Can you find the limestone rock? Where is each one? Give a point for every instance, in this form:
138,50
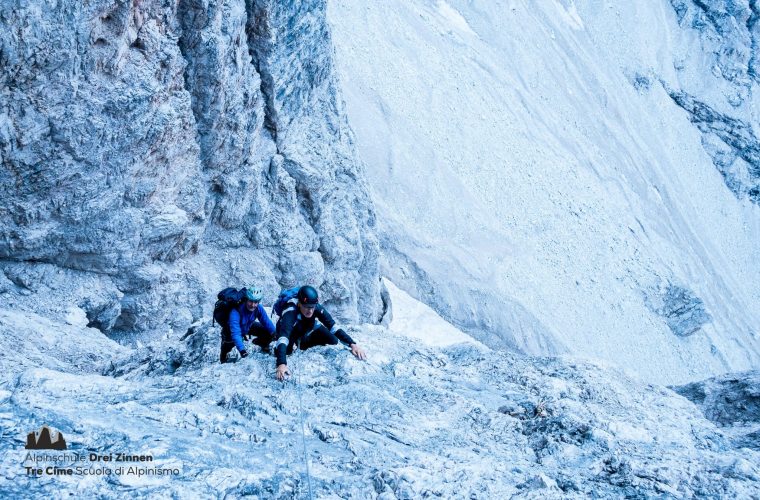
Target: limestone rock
174,148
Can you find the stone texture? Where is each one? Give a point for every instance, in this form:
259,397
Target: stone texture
174,148
412,422
683,311
293,50
728,399
725,113
732,401
99,143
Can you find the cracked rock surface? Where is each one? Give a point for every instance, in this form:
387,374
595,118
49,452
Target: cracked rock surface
174,148
731,401
413,421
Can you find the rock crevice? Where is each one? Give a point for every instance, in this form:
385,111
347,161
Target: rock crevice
731,143
140,140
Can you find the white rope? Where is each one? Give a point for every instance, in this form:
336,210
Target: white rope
300,412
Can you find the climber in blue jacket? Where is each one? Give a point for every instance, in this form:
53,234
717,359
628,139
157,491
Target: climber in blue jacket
249,319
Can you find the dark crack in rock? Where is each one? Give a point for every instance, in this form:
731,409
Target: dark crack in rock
732,144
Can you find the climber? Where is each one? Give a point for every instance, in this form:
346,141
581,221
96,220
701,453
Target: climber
249,319
306,323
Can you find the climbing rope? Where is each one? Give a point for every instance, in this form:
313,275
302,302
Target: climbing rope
296,368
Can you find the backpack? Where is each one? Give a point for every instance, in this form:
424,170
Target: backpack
227,300
283,300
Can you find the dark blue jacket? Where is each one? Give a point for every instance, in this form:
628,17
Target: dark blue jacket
241,320
293,326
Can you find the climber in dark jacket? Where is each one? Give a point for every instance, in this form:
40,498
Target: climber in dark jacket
307,324
249,319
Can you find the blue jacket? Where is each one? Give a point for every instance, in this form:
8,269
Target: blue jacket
241,320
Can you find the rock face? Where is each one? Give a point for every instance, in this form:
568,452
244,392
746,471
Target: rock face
171,149
98,140
414,421
544,172
684,312
732,402
728,35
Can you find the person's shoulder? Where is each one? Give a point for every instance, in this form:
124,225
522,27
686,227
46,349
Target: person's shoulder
322,309
290,312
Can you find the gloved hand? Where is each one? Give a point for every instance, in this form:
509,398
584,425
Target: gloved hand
243,353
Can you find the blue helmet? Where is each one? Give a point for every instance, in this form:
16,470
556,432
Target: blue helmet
254,294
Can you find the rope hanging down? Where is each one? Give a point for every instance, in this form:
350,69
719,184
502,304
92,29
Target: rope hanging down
303,432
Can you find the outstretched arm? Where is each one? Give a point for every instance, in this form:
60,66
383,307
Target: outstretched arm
327,320
346,339
341,335
281,347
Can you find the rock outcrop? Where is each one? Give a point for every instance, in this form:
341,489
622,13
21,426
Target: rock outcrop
684,313
412,422
173,148
728,35
731,401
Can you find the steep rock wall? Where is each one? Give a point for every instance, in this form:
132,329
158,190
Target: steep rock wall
172,148
544,176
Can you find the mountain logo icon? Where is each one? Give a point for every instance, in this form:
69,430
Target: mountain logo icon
43,440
